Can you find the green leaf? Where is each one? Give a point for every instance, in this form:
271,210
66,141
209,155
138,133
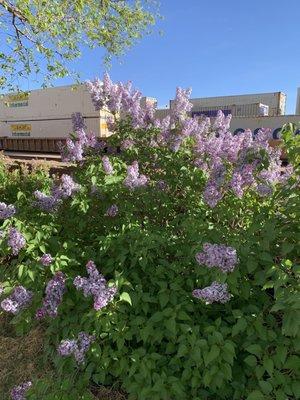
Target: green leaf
126,297
254,349
212,355
265,386
268,365
250,360
256,395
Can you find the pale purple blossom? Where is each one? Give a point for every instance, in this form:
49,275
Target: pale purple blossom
215,293
112,211
134,179
264,190
19,299
15,241
78,122
7,210
53,296
107,167
127,144
19,392
48,203
46,259
78,347
95,285
67,187
219,256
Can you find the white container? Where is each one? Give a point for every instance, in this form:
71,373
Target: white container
47,113
276,101
274,123
298,102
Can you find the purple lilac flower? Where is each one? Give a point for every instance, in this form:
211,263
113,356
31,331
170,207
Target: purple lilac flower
218,255
120,97
95,285
48,203
161,185
78,122
181,104
16,241
127,144
216,292
54,294
212,194
20,298
264,190
108,168
112,211
77,347
19,392
7,210
46,260
67,188
134,179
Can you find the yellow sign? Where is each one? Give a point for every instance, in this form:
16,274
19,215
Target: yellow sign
17,97
20,127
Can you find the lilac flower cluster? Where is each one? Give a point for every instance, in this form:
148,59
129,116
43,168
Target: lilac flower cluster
47,203
134,179
7,210
78,122
239,156
112,211
220,256
15,241
67,187
18,300
77,347
216,292
107,167
95,285
74,149
19,392
46,260
54,293
127,144
50,203
119,98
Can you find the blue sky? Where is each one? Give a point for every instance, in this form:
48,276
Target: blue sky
216,47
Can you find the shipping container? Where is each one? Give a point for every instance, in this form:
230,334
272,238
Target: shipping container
47,112
298,102
243,110
276,101
274,123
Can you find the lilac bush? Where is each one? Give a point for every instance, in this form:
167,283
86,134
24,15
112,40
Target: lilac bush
223,326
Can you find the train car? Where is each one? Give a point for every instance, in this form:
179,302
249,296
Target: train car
46,113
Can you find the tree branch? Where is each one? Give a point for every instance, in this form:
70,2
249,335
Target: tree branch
13,10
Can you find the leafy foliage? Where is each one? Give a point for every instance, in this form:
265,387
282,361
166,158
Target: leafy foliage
154,339
50,34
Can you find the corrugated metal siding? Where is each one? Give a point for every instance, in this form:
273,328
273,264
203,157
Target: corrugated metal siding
48,128
275,101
